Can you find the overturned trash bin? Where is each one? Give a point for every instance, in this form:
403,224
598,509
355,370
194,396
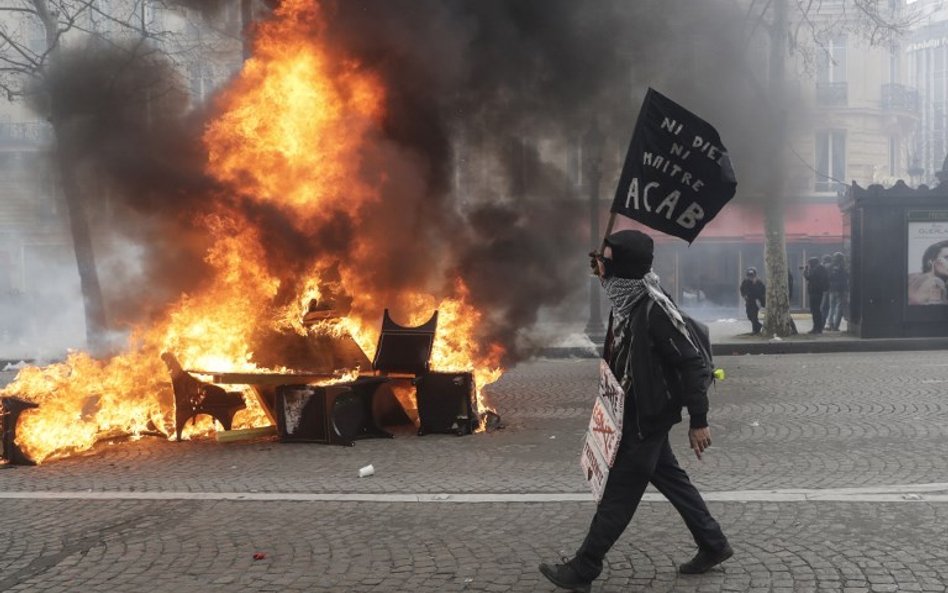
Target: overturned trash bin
10,410
336,414
446,402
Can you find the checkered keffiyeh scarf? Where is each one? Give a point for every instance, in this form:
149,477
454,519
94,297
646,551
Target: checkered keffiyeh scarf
624,293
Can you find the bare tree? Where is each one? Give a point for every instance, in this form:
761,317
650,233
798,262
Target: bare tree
800,29
38,39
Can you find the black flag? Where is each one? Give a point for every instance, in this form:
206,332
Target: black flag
677,175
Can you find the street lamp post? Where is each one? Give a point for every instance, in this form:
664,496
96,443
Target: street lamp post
592,165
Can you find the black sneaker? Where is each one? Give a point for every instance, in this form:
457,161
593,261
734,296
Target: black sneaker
565,576
704,561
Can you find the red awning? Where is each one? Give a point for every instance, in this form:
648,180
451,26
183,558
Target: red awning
821,223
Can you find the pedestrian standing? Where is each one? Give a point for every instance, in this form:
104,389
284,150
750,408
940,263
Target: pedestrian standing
817,284
646,332
755,296
838,289
826,262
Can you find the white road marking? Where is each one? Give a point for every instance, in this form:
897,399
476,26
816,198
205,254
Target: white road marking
930,493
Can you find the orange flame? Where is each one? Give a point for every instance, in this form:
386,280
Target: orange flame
290,133
296,120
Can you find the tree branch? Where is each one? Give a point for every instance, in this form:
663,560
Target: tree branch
52,40
16,46
882,29
49,23
121,23
805,12
13,63
758,23
14,9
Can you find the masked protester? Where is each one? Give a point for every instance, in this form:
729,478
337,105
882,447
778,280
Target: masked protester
838,289
817,285
755,297
827,263
647,333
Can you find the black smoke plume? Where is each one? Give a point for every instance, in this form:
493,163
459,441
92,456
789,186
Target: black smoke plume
472,80
487,105
136,151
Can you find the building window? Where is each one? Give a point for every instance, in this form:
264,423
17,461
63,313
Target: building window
202,82
832,65
831,88
830,160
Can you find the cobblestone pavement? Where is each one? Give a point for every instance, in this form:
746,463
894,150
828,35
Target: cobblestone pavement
871,421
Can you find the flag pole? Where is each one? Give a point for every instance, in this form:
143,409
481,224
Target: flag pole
609,225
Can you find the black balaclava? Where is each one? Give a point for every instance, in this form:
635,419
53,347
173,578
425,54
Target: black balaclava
632,253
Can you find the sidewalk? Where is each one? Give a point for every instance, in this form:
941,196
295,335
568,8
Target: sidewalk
730,335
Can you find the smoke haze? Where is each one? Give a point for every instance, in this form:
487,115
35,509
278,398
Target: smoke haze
487,105
500,78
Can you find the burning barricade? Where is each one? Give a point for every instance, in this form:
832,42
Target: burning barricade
298,241
337,407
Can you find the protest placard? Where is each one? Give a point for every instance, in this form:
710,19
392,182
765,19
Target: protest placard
604,432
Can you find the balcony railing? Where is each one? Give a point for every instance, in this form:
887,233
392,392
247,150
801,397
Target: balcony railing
898,97
832,94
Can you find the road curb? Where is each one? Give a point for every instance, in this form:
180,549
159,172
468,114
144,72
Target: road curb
788,346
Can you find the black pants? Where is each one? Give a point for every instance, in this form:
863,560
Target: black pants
752,311
638,463
816,310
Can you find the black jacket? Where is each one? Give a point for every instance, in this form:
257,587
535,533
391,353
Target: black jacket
660,370
817,278
754,292
838,279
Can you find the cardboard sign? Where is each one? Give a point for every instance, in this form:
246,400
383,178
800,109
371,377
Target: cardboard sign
605,431
611,392
594,468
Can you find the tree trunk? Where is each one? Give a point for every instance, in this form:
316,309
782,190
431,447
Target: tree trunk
93,302
67,158
778,320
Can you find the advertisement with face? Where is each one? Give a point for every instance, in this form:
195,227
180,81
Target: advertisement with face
928,263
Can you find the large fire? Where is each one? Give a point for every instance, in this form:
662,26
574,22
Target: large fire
289,134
